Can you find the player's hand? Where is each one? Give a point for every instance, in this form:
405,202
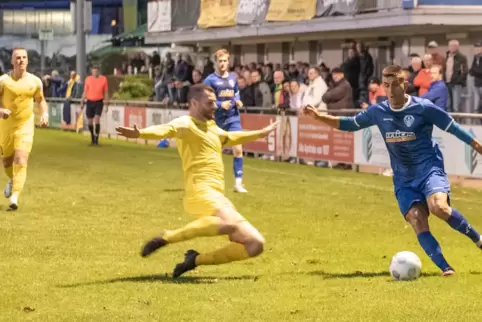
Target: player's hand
128,132
239,104
364,105
44,120
226,105
311,112
4,113
270,128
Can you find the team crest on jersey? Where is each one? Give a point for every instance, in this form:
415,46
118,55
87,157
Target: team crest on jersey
408,120
231,83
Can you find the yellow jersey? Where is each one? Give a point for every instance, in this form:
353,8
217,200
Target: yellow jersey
200,145
18,96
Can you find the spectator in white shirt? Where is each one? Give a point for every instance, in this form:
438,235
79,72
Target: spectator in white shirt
296,96
315,91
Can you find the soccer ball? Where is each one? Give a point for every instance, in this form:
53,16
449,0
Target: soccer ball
405,266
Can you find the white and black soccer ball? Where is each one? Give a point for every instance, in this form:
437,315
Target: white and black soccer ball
405,266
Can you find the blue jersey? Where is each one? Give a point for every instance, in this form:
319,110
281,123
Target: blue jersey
408,136
226,89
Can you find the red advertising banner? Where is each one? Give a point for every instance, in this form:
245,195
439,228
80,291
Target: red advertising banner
318,141
257,122
135,115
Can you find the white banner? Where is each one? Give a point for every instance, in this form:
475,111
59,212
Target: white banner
159,15
459,158
114,119
469,162
287,137
370,148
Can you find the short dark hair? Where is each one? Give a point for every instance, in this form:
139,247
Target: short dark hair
241,78
393,71
337,70
374,80
198,90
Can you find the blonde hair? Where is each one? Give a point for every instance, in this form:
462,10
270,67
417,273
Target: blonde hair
221,52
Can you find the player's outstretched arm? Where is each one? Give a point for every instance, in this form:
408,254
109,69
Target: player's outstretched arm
156,132
446,122
242,137
344,123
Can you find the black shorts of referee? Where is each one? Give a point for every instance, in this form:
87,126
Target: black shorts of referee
94,108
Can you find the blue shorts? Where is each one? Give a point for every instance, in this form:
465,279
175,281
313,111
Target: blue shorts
233,126
417,192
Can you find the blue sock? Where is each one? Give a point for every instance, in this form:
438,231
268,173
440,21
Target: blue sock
458,222
238,167
431,246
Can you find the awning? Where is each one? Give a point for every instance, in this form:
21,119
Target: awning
135,34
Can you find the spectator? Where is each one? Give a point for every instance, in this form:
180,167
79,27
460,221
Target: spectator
160,85
268,75
56,84
197,77
156,59
416,68
245,92
437,57
278,78
366,68
476,72
296,94
339,97
284,97
423,79
376,93
456,71
351,69
315,91
438,92
72,89
261,91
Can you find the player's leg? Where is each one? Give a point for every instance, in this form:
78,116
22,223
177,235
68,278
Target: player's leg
6,152
98,113
246,242
90,113
436,189
8,168
19,175
417,217
237,160
439,205
415,211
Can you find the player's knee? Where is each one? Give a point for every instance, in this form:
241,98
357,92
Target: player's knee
7,162
255,246
417,218
238,151
440,208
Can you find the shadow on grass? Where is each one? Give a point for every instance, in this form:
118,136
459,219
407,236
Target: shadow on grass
165,278
358,274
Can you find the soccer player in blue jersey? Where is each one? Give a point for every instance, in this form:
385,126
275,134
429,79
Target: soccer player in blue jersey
420,182
227,117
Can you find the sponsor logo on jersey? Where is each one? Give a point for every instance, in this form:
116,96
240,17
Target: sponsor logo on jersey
399,136
226,93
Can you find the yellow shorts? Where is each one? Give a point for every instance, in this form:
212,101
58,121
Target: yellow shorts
206,203
16,138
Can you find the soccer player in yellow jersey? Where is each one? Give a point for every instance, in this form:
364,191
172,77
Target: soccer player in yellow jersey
200,142
18,91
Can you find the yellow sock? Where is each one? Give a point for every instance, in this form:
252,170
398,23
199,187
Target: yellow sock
230,253
203,227
9,172
19,178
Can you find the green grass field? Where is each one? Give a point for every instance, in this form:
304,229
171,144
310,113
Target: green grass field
71,253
